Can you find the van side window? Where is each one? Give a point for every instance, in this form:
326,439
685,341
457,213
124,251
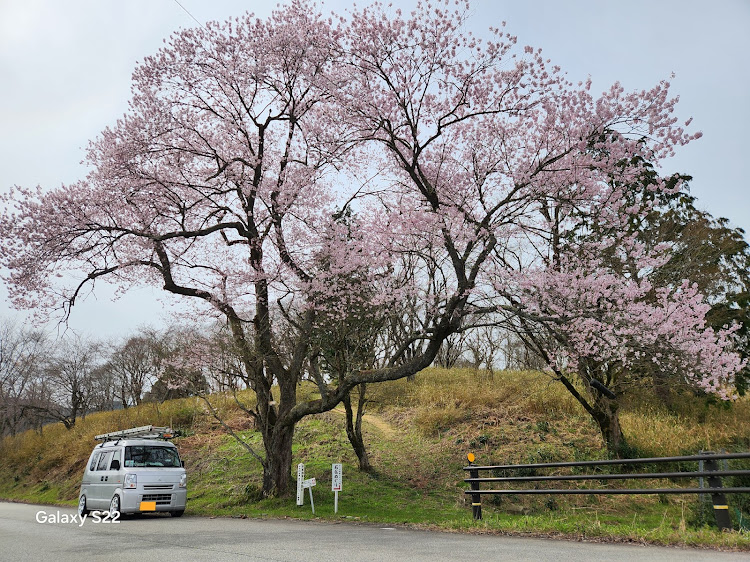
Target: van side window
94,459
104,461
115,457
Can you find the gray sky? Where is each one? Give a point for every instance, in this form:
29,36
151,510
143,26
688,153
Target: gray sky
65,72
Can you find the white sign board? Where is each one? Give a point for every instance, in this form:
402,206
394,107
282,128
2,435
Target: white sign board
336,478
309,483
300,480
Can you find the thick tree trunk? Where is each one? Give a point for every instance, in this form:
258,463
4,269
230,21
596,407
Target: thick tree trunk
277,468
354,428
605,412
608,419
277,427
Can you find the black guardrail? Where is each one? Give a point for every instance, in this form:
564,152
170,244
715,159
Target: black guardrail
707,468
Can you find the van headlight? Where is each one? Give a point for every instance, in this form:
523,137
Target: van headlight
183,481
131,481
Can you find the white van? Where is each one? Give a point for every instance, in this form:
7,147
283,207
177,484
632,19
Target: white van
134,471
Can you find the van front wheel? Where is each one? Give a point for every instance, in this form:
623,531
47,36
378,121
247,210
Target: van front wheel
177,513
114,506
82,506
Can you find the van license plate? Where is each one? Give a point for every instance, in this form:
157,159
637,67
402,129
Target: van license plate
148,506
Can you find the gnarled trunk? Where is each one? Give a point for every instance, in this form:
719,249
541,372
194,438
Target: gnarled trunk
606,414
277,427
604,411
277,468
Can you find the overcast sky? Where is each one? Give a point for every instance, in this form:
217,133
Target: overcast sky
65,70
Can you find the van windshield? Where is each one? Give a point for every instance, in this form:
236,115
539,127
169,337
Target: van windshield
149,455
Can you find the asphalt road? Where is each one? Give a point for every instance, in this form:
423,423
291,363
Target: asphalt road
162,538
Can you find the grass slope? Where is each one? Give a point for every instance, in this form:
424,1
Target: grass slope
418,434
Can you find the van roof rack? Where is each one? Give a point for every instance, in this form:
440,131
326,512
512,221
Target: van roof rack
143,432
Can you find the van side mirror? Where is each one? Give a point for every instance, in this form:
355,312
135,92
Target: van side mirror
115,465
182,463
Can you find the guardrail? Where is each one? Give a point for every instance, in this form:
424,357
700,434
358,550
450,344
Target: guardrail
707,461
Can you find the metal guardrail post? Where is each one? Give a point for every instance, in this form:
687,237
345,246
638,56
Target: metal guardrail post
721,508
476,499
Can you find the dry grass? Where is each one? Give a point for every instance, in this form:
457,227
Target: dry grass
687,429
437,387
439,399
54,454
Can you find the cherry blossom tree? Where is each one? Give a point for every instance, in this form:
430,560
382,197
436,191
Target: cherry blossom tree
216,186
712,255
244,143
510,162
212,186
511,165
596,304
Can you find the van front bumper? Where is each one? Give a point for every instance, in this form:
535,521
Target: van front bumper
172,500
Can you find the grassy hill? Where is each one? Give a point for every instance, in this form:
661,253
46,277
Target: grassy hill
418,434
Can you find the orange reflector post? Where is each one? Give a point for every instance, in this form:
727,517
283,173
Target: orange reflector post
148,506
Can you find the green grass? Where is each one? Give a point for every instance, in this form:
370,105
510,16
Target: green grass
417,434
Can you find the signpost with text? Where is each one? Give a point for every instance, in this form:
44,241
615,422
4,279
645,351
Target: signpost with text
336,481
300,479
302,484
